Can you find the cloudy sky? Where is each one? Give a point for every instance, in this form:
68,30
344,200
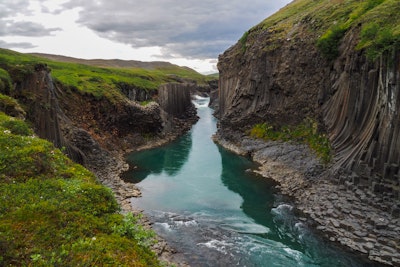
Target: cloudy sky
185,32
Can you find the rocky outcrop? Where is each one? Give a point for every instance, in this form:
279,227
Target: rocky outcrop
174,98
281,86
135,93
44,110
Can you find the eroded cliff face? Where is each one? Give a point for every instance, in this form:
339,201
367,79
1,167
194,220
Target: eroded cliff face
84,125
356,101
66,117
280,85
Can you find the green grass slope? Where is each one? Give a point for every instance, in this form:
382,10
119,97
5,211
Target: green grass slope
98,81
328,22
54,213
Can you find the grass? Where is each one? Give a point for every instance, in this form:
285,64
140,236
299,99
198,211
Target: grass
11,106
97,81
328,21
53,212
5,81
306,132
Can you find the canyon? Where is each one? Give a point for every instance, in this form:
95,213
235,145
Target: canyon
275,74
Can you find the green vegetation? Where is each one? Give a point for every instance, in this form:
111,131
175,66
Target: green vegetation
329,21
5,81
145,103
213,76
54,213
306,132
10,106
381,28
329,42
99,82
243,41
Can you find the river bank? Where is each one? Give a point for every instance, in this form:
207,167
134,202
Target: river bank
355,219
109,168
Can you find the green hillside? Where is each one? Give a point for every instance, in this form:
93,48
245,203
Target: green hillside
54,213
98,81
329,21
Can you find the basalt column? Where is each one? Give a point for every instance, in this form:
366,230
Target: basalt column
174,98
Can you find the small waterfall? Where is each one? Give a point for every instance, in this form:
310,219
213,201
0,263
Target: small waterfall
200,101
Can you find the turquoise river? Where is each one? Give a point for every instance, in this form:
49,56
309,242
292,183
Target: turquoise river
204,202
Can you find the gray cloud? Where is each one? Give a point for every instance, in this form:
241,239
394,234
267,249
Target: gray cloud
10,27
23,45
24,28
12,8
190,28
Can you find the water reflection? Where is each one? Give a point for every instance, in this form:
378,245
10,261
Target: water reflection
169,158
257,192
204,203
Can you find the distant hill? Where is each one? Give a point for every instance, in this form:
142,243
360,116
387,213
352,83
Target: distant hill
112,63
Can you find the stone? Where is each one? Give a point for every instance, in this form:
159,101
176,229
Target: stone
360,233
368,246
335,223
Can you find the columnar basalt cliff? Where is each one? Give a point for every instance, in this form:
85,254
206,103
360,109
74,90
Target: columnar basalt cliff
355,99
277,74
362,116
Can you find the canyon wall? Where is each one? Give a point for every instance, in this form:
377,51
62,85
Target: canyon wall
83,124
284,80
174,98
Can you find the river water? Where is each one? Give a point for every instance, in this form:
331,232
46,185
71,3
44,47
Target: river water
206,204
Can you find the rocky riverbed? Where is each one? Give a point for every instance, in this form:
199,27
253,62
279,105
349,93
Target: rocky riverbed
359,220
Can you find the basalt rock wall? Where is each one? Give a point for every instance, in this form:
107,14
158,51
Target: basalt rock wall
175,99
81,123
361,113
280,85
355,100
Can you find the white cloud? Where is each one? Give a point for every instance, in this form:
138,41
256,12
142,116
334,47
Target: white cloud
190,32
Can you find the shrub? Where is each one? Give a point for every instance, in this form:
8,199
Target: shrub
329,42
11,107
377,40
15,126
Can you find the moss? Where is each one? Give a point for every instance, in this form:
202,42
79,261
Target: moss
306,132
53,212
